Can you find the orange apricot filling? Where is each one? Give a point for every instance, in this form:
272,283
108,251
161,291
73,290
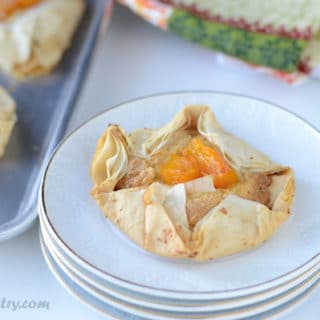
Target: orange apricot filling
9,7
197,160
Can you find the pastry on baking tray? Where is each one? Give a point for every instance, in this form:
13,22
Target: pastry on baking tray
7,119
189,189
35,33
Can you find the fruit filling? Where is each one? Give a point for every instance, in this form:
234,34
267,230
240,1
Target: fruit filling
9,7
197,160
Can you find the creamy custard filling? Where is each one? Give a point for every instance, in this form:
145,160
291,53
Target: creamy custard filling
10,7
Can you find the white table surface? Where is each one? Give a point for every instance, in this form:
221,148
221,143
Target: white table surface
136,59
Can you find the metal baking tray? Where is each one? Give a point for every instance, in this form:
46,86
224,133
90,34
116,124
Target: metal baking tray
44,106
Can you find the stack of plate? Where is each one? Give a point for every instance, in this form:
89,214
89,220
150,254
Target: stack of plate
99,265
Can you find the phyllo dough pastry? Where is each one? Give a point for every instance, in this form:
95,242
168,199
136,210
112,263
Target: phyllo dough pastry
35,33
189,189
7,119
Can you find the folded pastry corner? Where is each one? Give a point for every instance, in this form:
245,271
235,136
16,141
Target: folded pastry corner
190,189
7,119
110,161
34,34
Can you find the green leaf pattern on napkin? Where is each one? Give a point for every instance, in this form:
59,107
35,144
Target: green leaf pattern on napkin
256,48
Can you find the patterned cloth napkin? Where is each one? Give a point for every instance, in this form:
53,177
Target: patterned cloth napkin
280,38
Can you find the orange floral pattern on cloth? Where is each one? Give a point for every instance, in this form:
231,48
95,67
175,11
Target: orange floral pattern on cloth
153,11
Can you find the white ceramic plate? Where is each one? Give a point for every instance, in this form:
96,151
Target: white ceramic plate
91,298
87,235
158,304
139,307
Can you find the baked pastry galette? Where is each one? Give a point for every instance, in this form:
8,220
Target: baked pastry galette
7,119
35,33
189,189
